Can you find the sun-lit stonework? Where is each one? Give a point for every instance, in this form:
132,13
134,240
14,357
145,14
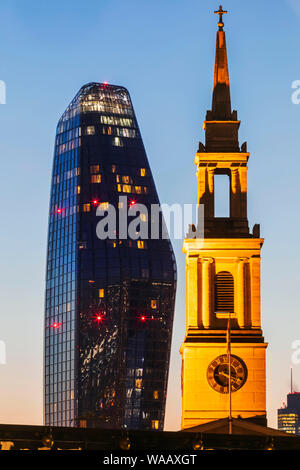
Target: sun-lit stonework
223,277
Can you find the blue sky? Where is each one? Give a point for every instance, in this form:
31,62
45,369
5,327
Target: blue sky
163,52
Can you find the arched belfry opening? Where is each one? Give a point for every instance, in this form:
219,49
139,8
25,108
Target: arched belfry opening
222,196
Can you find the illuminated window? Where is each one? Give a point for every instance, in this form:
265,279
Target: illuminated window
118,178
126,132
138,189
78,190
96,178
113,168
116,121
126,122
94,168
120,205
107,130
153,304
141,244
90,130
106,119
101,293
117,142
143,171
155,424
104,206
86,207
119,188
155,394
138,383
145,190
143,217
72,395
126,179
126,188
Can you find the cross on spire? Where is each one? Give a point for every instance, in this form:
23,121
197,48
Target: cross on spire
220,12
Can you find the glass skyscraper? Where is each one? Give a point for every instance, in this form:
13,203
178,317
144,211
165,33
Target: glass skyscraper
109,303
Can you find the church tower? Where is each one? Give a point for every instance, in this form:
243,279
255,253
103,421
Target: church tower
223,278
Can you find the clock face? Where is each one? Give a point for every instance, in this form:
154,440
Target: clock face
218,373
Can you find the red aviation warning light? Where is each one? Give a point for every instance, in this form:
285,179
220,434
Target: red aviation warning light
143,318
95,202
55,325
132,202
98,318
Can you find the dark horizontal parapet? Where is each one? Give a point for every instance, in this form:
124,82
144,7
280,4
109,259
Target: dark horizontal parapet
219,336
223,227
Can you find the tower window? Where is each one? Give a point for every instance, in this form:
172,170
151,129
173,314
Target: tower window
224,292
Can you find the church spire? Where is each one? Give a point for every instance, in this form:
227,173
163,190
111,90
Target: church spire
221,104
221,124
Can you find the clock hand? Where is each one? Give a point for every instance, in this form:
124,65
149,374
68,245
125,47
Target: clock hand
227,375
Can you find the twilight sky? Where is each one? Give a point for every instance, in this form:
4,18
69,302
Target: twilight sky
163,52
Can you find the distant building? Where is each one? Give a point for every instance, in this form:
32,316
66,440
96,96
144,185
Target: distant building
289,415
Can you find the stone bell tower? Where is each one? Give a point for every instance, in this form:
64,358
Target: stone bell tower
223,277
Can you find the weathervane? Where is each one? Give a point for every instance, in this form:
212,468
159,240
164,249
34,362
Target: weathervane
220,12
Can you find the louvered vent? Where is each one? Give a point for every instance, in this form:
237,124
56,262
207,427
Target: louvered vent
224,292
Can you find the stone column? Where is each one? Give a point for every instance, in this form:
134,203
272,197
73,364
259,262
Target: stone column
192,291
234,196
201,184
243,189
206,292
211,191
255,292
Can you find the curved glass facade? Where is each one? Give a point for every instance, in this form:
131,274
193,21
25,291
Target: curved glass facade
109,302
